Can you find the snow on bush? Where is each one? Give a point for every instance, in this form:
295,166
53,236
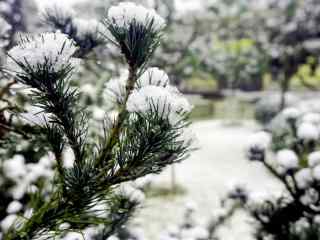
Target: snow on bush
293,158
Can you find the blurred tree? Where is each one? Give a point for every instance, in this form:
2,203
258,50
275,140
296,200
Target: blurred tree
237,64
236,60
291,36
187,37
20,15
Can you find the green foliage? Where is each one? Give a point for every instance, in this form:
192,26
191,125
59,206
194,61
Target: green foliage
307,76
137,43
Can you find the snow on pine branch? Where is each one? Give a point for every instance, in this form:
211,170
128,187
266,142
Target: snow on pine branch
34,115
152,93
167,102
115,87
52,52
153,76
127,13
135,30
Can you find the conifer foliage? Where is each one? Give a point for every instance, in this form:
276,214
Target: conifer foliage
146,135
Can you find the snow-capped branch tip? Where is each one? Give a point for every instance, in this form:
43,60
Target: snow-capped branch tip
257,145
126,14
166,102
287,160
136,30
115,88
291,113
152,93
48,53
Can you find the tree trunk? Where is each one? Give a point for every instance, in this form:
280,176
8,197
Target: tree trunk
285,86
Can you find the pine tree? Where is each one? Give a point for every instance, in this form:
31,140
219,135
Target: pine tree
146,135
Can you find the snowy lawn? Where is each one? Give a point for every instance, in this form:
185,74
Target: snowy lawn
207,175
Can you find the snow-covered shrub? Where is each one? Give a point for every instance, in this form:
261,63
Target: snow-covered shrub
71,180
268,107
293,160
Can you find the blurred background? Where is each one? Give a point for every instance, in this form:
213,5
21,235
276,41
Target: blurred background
240,62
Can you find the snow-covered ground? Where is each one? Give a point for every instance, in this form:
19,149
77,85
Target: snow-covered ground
207,176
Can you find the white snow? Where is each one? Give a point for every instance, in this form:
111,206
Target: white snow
287,159
153,76
291,113
35,116
313,118
14,207
304,178
126,13
53,49
308,132
25,174
133,193
260,140
316,173
205,177
88,89
309,197
86,26
258,197
314,159
115,89
165,102
5,7
195,233
152,93
8,221
68,157
14,168
98,113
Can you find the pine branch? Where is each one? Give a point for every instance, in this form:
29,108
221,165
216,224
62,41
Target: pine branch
114,136
128,151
